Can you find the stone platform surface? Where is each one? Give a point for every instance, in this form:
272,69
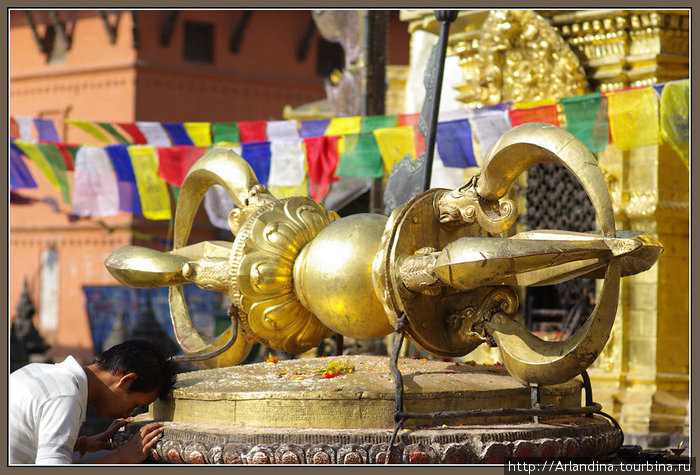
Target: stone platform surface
291,412
295,393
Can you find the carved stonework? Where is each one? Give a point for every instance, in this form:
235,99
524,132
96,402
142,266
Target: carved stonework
191,444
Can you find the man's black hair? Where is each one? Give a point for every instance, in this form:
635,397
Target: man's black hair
150,361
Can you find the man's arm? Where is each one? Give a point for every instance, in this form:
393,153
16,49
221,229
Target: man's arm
136,449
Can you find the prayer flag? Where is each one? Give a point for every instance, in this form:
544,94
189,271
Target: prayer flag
287,163
199,132
442,176
634,118
394,144
343,126
25,127
132,129
129,200
322,160
177,133
547,114
14,128
658,88
582,113
282,130
450,116
153,191
20,176
218,205
90,128
95,189
454,143
252,131
418,138
374,122
58,164
175,162
68,151
675,115
534,104
155,134
46,130
281,192
359,156
313,128
258,156
30,150
225,132
489,125
113,132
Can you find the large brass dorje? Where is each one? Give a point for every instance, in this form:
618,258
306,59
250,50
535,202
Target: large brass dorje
296,273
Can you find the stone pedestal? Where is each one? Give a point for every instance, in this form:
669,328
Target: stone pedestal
293,412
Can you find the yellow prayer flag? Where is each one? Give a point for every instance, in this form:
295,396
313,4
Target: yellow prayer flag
199,132
344,125
533,104
634,118
89,128
675,111
153,191
394,143
31,150
282,192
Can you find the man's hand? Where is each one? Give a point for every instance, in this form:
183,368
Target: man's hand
136,449
101,441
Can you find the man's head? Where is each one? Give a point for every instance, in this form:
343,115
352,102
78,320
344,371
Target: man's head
137,372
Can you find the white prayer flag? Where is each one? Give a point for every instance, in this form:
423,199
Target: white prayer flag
25,127
282,130
489,126
155,134
286,163
95,187
445,177
218,205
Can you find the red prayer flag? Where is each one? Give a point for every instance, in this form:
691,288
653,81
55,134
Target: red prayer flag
132,129
170,165
253,131
14,128
322,160
418,139
548,114
174,162
67,155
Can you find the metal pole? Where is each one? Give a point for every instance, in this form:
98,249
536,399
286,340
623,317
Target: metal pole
445,17
375,84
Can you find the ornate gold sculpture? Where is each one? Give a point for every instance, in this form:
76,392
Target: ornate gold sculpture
297,274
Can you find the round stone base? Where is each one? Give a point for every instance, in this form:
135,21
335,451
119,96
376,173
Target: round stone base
561,438
305,412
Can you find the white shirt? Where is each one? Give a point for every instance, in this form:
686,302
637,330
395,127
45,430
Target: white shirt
47,406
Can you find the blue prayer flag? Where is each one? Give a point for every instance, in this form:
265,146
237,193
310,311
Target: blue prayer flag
177,133
129,200
258,156
454,142
313,128
46,130
20,176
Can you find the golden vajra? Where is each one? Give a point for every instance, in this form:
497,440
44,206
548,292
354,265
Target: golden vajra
297,273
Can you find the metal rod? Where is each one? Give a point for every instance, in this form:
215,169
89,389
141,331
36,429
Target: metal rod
445,17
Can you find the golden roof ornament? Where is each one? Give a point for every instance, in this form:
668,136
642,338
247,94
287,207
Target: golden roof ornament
297,273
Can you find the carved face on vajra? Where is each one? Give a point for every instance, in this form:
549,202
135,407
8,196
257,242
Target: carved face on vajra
297,273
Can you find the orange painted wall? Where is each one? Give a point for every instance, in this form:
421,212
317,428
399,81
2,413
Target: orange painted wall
101,81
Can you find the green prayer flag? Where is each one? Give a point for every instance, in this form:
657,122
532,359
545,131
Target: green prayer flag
113,132
360,156
225,132
374,122
176,192
55,159
585,122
